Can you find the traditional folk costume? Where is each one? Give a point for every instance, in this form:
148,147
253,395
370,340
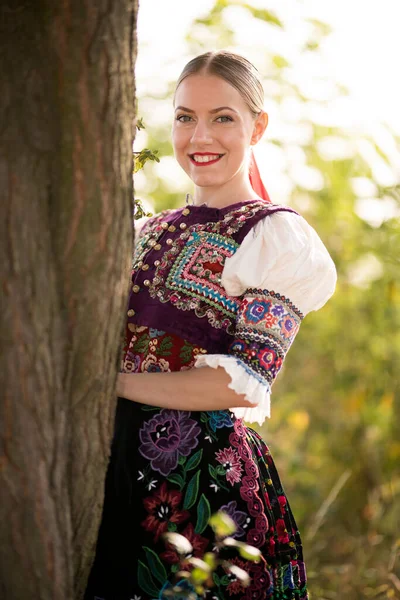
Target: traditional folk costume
210,287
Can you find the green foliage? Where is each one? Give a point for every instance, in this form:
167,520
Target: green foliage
139,160
335,427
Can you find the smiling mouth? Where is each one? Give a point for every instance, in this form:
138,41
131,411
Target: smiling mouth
202,160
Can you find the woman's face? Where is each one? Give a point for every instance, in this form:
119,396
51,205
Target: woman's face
213,130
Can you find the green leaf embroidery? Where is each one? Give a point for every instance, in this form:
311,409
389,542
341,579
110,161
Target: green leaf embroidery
216,579
181,460
156,567
220,470
146,581
225,580
212,472
194,460
142,345
176,478
192,491
185,354
172,526
203,514
164,349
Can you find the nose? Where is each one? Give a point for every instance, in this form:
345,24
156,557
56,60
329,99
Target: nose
201,134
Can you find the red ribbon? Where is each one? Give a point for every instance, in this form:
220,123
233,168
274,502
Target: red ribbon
255,179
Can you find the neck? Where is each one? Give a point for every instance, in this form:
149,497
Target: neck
224,195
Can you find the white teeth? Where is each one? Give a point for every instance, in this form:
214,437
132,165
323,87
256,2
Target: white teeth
207,158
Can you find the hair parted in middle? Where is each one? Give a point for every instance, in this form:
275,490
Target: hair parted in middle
236,70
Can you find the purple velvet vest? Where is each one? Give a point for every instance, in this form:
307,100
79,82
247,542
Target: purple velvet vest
178,261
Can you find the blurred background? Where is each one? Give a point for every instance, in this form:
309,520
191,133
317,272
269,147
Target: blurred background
331,151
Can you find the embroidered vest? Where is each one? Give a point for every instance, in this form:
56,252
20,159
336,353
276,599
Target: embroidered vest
176,275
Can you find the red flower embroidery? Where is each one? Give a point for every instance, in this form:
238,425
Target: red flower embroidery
163,508
281,530
198,542
270,320
282,503
235,587
229,459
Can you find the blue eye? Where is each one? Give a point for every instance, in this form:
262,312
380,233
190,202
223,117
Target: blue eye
183,118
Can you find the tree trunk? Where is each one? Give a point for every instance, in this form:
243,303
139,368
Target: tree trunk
66,116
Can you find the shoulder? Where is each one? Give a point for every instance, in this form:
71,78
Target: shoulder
283,253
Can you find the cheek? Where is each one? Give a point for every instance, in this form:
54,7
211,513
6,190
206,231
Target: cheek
235,138
179,139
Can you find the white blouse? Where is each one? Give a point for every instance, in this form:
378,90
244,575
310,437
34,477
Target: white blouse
282,253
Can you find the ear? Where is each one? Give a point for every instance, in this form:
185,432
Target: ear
260,125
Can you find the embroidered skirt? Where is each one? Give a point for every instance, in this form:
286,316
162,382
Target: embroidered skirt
169,471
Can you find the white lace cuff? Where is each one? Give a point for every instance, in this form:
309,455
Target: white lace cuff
243,381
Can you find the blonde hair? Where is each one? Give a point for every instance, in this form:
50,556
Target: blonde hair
235,70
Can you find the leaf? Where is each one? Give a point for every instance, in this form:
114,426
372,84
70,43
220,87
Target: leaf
176,478
142,345
194,460
280,61
203,514
212,472
156,567
185,354
146,581
220,470
265,15
222,524
164,349
192,491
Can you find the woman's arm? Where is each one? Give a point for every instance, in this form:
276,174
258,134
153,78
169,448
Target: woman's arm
194,389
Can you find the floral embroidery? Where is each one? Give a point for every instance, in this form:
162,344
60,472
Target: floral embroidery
167,436
230,460
240,518
282,532
267,324
154,351
249,486
163,508
152,364
188,274
219,418
259,577
192,464
189,277
199,544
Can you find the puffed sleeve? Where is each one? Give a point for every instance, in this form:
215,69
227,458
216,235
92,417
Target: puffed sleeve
281,271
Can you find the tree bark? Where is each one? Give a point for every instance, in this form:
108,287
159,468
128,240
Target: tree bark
66,132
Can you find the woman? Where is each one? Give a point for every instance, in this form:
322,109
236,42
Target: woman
219,289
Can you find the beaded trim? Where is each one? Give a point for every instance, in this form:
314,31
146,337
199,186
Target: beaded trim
189,273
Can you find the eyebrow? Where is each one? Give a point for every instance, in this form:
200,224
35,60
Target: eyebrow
213,111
